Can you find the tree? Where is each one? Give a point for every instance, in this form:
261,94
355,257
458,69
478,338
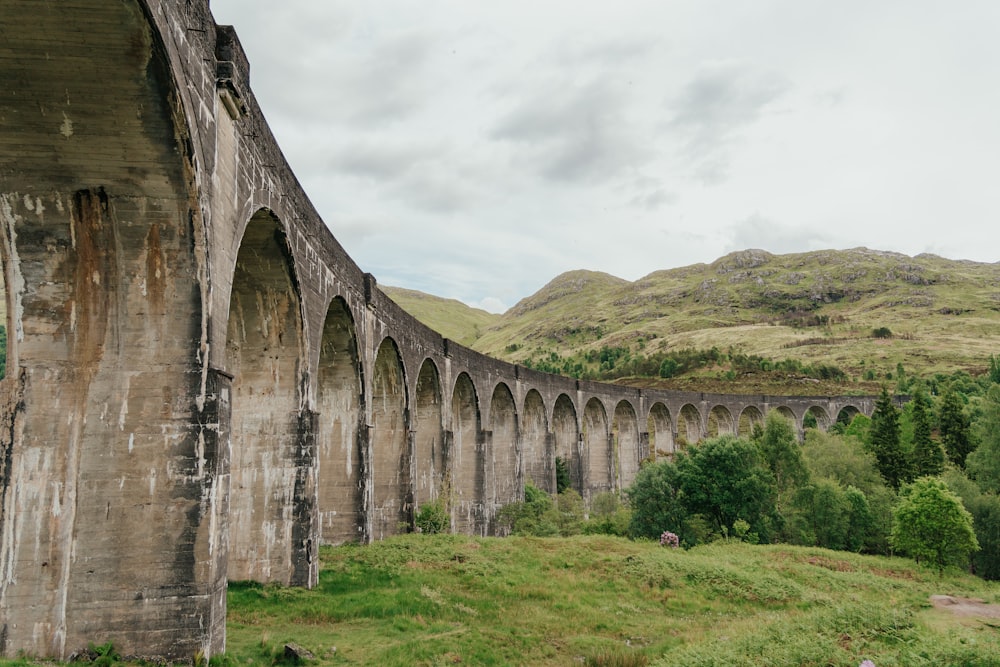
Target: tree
955,427
931,525
822,515
782,452
928,457
563,480
984,462
883,441
725,479
654,498
861,527
985,510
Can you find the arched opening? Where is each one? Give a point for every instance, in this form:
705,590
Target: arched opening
465,463
626,443
661,432
566,433
428,442
264,354
787,413
816,417
539,463
690,420
847,414
750,417
505,480
597,450
391,492
338,402
720,421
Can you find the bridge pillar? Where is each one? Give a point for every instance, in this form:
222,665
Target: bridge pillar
305,522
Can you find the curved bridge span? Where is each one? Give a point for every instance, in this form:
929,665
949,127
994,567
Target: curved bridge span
201,384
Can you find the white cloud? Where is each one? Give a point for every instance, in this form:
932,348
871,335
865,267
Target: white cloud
478,149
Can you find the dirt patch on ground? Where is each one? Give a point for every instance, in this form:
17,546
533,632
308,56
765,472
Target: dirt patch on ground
966,606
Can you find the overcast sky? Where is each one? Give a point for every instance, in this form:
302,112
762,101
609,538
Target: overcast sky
475,150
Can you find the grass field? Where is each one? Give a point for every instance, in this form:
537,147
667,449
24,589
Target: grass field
444,600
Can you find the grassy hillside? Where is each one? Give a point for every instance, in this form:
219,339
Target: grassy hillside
447,599
819,307
450,318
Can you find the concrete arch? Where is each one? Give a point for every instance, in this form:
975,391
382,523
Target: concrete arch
536,446
661,431
750,416
819,414
787,413
597,450
626,447
504,482
392,496
465,459
339,404
720,421
264,355
847,414
566,433
690,419
428,436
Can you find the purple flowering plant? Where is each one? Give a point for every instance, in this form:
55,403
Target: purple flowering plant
668,539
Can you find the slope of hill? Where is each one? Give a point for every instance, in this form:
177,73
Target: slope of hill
449,317
594,600
932,314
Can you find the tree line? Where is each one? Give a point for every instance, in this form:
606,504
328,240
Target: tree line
922,481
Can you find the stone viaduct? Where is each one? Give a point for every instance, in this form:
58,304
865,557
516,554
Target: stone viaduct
201,384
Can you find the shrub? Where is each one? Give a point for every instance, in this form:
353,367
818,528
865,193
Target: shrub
433,518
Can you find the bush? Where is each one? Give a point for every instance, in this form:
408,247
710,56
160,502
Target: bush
433,518
608,516
931,524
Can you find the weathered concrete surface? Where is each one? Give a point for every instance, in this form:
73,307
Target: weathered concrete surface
201,383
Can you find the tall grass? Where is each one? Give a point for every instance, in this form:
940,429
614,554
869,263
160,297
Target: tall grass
445,599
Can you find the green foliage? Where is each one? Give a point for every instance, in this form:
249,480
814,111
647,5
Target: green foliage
881,332
931,525
433,517
994,371
779,446
827,515
928,457
563,480
954,425
105,654
456,599
668,367
859,427
884,442
608,516
655,500
536,515
841,458
985,510
725,479
845,460
984,461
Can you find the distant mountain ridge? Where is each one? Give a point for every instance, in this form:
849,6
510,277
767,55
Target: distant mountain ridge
942,314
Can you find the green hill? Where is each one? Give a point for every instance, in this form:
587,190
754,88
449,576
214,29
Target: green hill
452,599
449,317
932,315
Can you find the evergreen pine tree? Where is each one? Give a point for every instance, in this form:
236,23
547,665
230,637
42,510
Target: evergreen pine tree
955,428
928,457
884,442
984,462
